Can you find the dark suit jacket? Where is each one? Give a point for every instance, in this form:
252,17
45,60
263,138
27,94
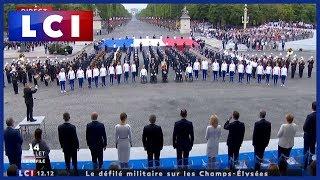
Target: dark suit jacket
236,133
96,135
12,142
310,126
68,138
28,95
183,135
152,138
261,133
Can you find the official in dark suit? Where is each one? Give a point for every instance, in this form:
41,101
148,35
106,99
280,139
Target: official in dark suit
260,138
235,136
96,140
310,135
183,138
152,138
69,143
13,142
29,101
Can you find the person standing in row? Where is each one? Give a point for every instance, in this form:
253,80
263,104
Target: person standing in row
301,67
310,66
249,72
259,72
235,137
215,70
286,135
232,70
103,74
310,135
123,141
224,68
196,68
14,77
71,77
126,69
240,71
95,73
28,99
69,143
80,76
89,76
13,143
268,73
204,67
96,140
213,134
293,68
118,72
260,138
111,74
152,139
183,137
283,72
276,74
133,71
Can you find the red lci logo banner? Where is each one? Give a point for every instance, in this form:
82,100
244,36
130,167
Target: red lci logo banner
34,8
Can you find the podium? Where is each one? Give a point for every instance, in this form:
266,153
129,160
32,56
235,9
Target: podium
25,125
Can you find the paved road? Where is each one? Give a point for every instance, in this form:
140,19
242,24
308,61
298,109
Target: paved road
200,98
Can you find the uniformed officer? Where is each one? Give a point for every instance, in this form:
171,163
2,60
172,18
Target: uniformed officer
301,67
293,67
310,66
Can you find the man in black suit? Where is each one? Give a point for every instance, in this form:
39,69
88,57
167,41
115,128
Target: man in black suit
13,142
69,143
183,138
29,101
261,138
310,135
235,136
152,138
96,140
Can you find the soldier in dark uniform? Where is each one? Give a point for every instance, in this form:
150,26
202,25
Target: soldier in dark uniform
14,77
140,46
301,67
293,68
310,66
179,77
24,77
153,74
8,74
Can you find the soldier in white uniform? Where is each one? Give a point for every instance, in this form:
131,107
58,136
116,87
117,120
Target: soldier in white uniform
143,75
196,68
232,69
204,67
259,72
134,71
71,77
240,71
118,72
249,72
80,76
224,68
111,74
62,80
126,69
283,72
103,74
89,76
96,73
276,74
215,70
189,72
268,72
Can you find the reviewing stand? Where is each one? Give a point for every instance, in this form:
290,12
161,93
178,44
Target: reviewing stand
25,125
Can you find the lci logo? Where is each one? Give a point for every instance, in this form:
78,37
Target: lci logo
50,26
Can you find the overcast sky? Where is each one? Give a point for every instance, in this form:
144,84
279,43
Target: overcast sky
138,6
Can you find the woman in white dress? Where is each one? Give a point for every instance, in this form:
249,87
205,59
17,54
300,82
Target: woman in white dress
213,134
123,140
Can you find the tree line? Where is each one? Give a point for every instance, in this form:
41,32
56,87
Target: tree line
231,14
